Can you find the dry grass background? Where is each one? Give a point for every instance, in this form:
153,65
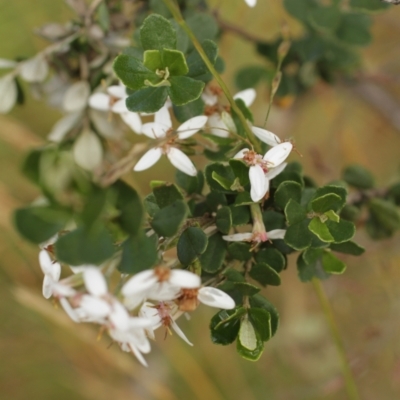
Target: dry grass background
45,356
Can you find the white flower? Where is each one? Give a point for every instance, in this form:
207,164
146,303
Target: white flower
254,237
52,272
266,136
189,299
163,314
263,169
114,100
251,3
160,129
161,284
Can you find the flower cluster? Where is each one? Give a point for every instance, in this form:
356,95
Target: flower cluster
147,301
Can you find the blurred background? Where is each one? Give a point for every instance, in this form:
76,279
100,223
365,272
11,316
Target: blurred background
46,356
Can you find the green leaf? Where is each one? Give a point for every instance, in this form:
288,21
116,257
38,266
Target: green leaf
130,207
326,203
168,220
386,213
167,194
139,253
183,89
225,183
150,205
238,123
368,5
103,16
243,198
222,170
175,61
192,243
332,264
318,228
204,26
83,246
311,256
251,76
249,344
294,212
358,176
197,68
286,191
224,220
212,259
393,193
133,73
331,189
240,251
272,257
246,289
157,33
190,184
38,224
332,216
348,248
299,9
260,301
274,220
341,231
147,100
95,205
354,29
265,275
189,110
298,236
307,271
225,326
152,60
240,215
325,18
261,320
31,165
241,171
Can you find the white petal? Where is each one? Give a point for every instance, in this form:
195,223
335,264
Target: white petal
119,107
217,126
251,3
163,117
138,354
191,126
238,237
4,63
248,96
139,282
155,130
133,120
276,234
45,262
117,91
119,316
88,151
273,172
258,183
163,291
148,159
94,307
214,297
278,154
35,69
8,94
62,290
241,153
149,312
63,126
184,279
209,98
181,161
266,136
100,101
106,127
179,332
68,309
47,287
95,282
76,96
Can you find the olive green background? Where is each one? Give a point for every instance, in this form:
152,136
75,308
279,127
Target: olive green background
46,356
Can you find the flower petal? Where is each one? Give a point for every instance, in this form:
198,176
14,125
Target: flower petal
278,154
248,96
181,161
133,120
35,69
214,297
76,96
100,101
119,107
88,151
139,282
191,126
238,237
95,282
155,130
273,172
163,117
45,262
94,307
63,126
251,3
117,91
184,279
179,332
217,126
138,354
148,159
119,316
266,136
47,287
276,234
68,309
241,153
257,182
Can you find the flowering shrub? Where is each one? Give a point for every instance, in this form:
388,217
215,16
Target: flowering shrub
214,236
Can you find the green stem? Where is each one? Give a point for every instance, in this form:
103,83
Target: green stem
176,13
351,387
